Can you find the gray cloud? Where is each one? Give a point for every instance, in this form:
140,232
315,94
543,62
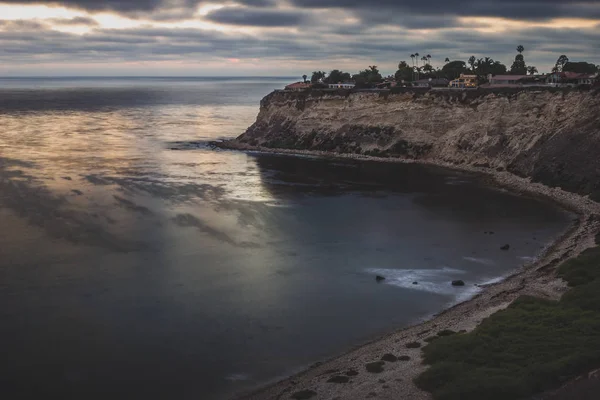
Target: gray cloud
256,17
382,32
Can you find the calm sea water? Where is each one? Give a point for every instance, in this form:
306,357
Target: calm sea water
136,262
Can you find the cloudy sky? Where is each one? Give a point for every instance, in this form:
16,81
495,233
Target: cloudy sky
284,37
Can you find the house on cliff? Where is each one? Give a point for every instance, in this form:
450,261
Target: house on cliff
464,82
430,83
342,85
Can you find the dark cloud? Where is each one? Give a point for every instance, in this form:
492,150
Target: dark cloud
130,5
255,17
515,9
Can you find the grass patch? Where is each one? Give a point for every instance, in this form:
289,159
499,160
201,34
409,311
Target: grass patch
532,346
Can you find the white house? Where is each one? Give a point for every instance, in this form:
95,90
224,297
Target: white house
344,85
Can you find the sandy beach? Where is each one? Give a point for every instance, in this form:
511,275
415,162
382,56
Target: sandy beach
351,375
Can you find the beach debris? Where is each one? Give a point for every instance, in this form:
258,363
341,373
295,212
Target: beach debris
505,247
389,358
413,345
375,367
338,379
404,358
304,395
379,278
458,283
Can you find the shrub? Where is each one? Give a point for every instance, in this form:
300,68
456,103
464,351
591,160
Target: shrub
532,346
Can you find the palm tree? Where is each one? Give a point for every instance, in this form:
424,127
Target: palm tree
532,70
428,58
413,62
417,58
304,77
472,61
520,49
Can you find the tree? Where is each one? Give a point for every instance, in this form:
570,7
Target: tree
337,76
447,60
560,63
428,58
581,67
404,73
317,76
531,70
304,78
368,77
453,69
472,61
519,67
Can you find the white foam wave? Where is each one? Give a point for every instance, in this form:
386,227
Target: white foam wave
237,377
484,261
438,281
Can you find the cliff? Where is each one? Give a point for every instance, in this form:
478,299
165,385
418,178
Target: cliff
550,135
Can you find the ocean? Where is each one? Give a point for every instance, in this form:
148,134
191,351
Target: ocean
138,262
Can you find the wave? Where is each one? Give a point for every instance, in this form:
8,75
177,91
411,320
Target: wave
437,281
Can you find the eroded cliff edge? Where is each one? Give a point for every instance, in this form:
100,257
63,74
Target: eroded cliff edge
552,136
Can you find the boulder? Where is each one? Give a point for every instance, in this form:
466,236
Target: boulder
379,278
505,247
375,367
458,283
389,358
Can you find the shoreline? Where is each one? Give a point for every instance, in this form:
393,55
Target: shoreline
395,380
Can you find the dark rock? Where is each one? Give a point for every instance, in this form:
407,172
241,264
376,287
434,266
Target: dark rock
458,283
385,386
413,345
371,395
492,233
77,192
389,358
381,381
375,367
404,358
415,283
431,339
338,379
304,394
505,247
446,332
379,278
352,372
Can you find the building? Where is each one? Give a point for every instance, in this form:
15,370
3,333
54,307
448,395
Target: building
506,80
464,82
298,86
429,83
587,79
344,85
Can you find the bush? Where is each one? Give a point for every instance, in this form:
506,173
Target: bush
532,346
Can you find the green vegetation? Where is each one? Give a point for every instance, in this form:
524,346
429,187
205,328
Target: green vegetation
580,67
532,346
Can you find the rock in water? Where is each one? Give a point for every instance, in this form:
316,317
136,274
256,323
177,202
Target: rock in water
389,358
505,247
458,283
379,278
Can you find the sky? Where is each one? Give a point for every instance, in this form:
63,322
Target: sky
284,37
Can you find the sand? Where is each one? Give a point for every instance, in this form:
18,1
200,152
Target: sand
395,381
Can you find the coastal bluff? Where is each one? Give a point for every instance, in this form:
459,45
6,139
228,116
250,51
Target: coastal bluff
549,135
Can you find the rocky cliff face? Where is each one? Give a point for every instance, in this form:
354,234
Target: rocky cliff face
552,136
